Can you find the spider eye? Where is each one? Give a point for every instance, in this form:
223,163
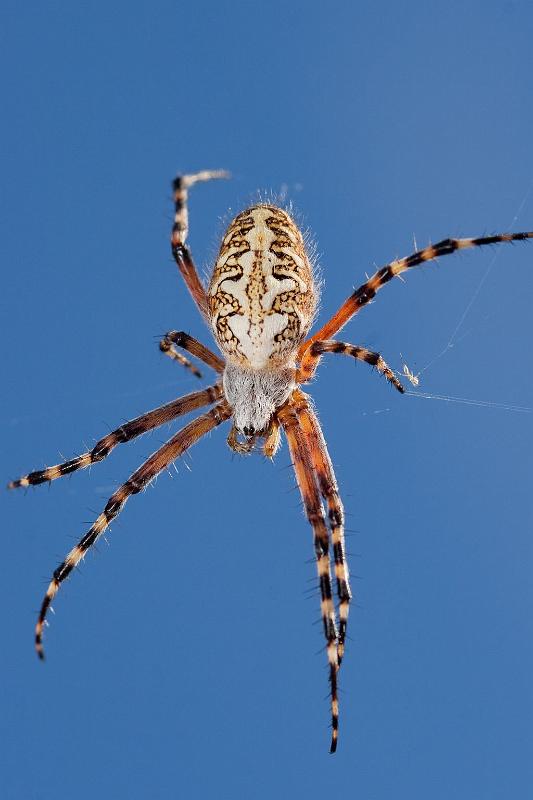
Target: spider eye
248,430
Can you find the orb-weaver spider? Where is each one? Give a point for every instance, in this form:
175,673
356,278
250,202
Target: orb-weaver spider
260,304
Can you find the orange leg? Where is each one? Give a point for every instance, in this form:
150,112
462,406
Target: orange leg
125,433
311,360
180,229
288,416
368,290
330,492
175,447
175,339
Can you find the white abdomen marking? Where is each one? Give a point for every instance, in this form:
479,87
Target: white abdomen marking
262,297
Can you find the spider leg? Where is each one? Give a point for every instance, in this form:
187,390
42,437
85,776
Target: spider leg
174,339
180,229
289,417
175,447
312,357
330,492
125,433
365,293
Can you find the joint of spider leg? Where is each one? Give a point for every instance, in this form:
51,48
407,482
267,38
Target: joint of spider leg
325,586
121,435
336,516
446,247
213,394
365,296
321,544
132,486
59,574
330,632
178,338
112,508
345,593
177,183
166,346
180,251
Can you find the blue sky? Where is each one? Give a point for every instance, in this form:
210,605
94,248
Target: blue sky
182,658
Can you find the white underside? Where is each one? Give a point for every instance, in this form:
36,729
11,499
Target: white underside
255,395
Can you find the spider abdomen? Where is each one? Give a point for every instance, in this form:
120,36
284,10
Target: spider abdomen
262,297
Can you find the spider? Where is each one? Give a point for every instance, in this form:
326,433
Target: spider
260,304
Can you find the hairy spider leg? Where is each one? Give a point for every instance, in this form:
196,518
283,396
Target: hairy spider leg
125,433
317,349
180,229
181,339
330,492
170,351
307,481
365,293
168,453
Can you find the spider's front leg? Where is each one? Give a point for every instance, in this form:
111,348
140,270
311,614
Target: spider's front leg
180,229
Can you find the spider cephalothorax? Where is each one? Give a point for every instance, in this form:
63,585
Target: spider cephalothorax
260,303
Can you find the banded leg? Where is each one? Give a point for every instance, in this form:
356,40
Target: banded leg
312,358
130,430
180,339
307,482
180,229
175,447
330,492
365,293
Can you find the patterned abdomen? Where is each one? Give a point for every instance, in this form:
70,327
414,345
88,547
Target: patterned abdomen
262,297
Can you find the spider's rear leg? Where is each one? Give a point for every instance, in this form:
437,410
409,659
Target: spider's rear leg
125,433
311,360
168,453
174,339
289,416
180,229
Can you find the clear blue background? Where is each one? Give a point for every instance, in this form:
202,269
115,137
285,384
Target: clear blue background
182,660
